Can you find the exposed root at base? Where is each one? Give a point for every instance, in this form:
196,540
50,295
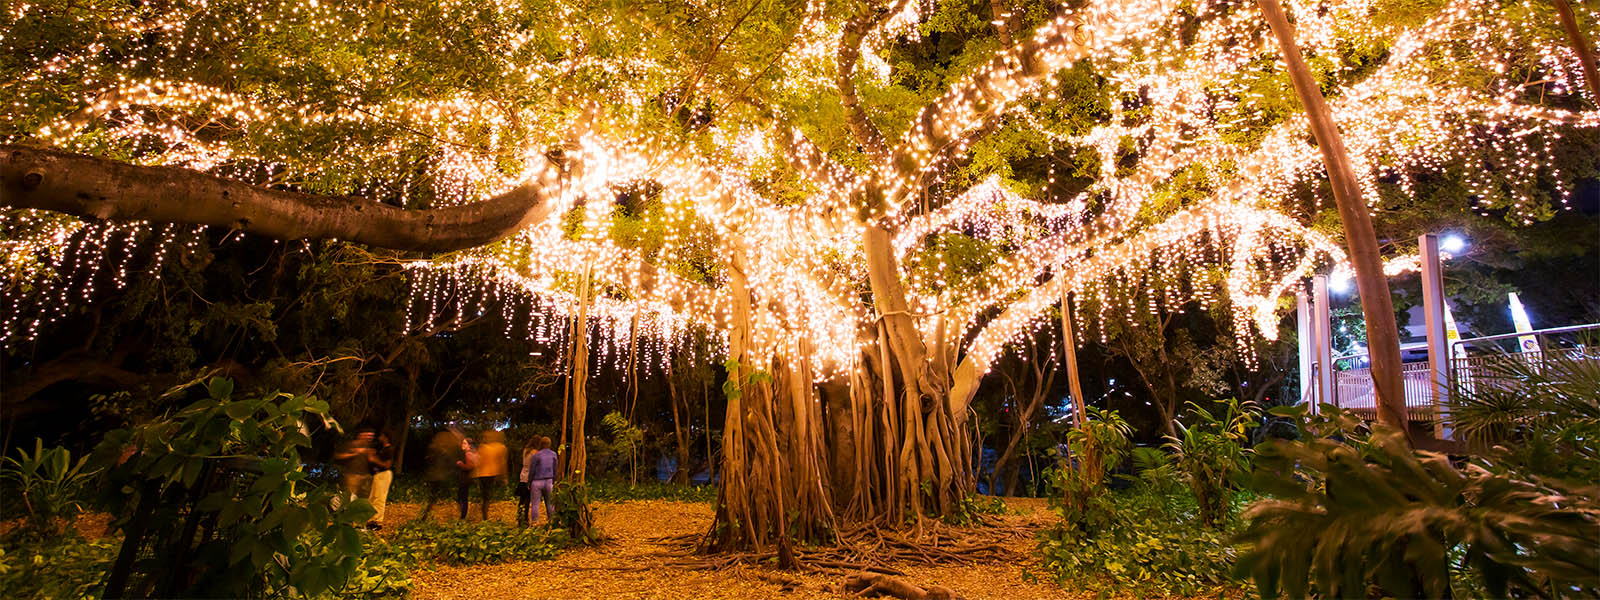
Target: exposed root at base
867,585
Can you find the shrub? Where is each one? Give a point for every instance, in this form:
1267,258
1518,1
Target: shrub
1210,454
233,464
1537,416
1101,443
63,567
464,543
573,513
50,485
1344,517
1140,546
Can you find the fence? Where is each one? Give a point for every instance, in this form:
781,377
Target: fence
1477,362
1353,391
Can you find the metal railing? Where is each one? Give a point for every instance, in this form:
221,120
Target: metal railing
1475,362
1353,391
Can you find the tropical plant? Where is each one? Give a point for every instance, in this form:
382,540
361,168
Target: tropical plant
1101,442
1148,545
1347,515
573,513
234,464
50,485
1541,415
1211,453
626,437
1154,472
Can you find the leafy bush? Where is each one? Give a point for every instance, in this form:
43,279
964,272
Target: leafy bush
384,572
63,567
573,513
1100,444
1344,517
1211,454
1542,415
1141,546
237,463
50,485
464,543
609,490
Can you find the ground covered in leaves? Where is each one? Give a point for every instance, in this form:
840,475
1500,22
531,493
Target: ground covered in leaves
643,559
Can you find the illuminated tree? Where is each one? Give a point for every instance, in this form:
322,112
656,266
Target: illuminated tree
865,204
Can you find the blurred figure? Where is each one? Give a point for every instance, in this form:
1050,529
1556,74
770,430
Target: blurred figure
539,471
381,460
490,467
354,459
447,466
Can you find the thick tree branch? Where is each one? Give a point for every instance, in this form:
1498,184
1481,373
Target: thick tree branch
855,33
969,110
1580,44
103,189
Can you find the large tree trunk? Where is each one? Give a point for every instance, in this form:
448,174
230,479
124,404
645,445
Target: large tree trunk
102,189
1383,337
774,488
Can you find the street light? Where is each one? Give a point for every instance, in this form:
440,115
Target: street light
1453,243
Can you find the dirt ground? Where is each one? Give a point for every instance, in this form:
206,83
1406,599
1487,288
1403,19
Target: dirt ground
633,564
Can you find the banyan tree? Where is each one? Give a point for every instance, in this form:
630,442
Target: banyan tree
862,203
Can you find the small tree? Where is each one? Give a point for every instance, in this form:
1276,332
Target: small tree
626,437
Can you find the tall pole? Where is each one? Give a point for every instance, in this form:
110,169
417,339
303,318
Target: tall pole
1071,355
1433,307
1303,339
1383,336
1322,333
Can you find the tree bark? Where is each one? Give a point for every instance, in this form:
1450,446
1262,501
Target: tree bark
103,189
1580,44
1383,337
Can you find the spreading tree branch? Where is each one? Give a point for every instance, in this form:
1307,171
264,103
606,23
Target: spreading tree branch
855,33
104,189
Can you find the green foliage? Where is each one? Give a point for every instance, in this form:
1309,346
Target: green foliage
1211,453
1539,415
384,573
1344,518
239,460
627,438
1145,545
574,514
608,490
1099,445
462,543
62,567
1154,471
972,508
50,485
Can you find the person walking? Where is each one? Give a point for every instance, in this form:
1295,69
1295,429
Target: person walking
446,457
382,459
464,467
539,470
490,467
354,460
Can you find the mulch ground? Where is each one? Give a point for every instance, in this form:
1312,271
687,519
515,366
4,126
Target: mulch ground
637,562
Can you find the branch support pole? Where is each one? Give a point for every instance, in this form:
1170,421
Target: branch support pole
1383,336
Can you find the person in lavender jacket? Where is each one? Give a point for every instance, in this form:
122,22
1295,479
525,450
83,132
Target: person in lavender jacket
539,472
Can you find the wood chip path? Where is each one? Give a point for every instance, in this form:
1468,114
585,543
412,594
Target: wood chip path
635,563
